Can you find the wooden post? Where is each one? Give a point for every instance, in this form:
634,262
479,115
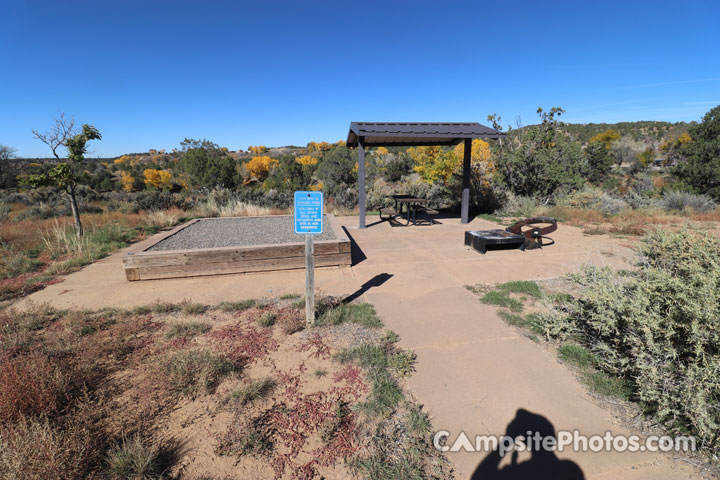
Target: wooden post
465,207
361,181
309,280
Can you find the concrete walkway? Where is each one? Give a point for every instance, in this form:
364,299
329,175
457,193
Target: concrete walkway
474,372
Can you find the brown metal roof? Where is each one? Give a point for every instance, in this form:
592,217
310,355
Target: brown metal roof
389,134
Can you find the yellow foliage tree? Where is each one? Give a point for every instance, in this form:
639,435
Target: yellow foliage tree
481,163
123,160
479,151
646,157
126,180
606,138
306,160
260,167
381,151
182,181
159,179
433,163
258,150
318,146
670,145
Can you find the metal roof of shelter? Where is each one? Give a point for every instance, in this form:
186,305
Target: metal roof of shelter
388,134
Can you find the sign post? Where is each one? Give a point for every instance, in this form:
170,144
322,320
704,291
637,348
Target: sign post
308,210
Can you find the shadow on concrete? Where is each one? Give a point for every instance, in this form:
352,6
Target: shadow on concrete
376,281
356,253
377,222
543,465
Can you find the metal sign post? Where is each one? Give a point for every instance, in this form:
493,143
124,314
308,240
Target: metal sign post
308,210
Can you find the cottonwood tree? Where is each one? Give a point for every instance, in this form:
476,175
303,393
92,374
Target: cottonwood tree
65,174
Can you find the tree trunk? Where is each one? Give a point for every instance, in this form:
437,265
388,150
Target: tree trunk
75,212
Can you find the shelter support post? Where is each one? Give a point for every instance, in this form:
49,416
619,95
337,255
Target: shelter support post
361,181
465,206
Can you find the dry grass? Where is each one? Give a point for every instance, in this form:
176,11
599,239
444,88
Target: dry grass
627,222
234,208
34,449
80,387
163,218
133,459
31,385
28,234
713,216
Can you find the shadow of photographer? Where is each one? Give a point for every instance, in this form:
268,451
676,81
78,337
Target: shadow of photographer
543,464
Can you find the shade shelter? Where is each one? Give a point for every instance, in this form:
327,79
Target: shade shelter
393,134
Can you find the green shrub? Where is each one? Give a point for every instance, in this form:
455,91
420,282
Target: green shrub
681,201
502,299
402,362
267,319
252,391
290,296
4,211
525,287
14,263
360,313
186,329
165,307
132,459
190,308
237,306
188,373
655,330
577,355
374,359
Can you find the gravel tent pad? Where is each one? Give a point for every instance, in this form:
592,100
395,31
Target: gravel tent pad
238,231
213,246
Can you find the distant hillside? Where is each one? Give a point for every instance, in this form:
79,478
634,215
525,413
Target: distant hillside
647,132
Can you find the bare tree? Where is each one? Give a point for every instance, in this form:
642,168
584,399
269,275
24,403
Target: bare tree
7,167
56,137
6,153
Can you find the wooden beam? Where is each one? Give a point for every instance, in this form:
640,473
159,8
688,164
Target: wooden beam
247,266
361,181
465,207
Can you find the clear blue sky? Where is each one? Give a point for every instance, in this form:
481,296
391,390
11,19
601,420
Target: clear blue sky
150,73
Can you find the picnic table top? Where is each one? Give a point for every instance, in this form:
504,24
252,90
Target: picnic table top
408,199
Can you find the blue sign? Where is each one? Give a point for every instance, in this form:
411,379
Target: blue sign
309,212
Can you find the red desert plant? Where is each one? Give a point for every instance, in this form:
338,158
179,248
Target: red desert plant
243,343
30,385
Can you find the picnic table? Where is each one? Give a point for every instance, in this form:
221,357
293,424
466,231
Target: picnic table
411,205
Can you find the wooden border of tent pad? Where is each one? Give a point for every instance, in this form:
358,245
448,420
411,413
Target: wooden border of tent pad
158,264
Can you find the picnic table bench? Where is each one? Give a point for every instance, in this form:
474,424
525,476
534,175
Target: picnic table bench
412,205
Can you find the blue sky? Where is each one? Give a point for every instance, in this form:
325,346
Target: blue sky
151,73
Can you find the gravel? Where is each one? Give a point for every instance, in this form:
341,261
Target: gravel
237,232
345,335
